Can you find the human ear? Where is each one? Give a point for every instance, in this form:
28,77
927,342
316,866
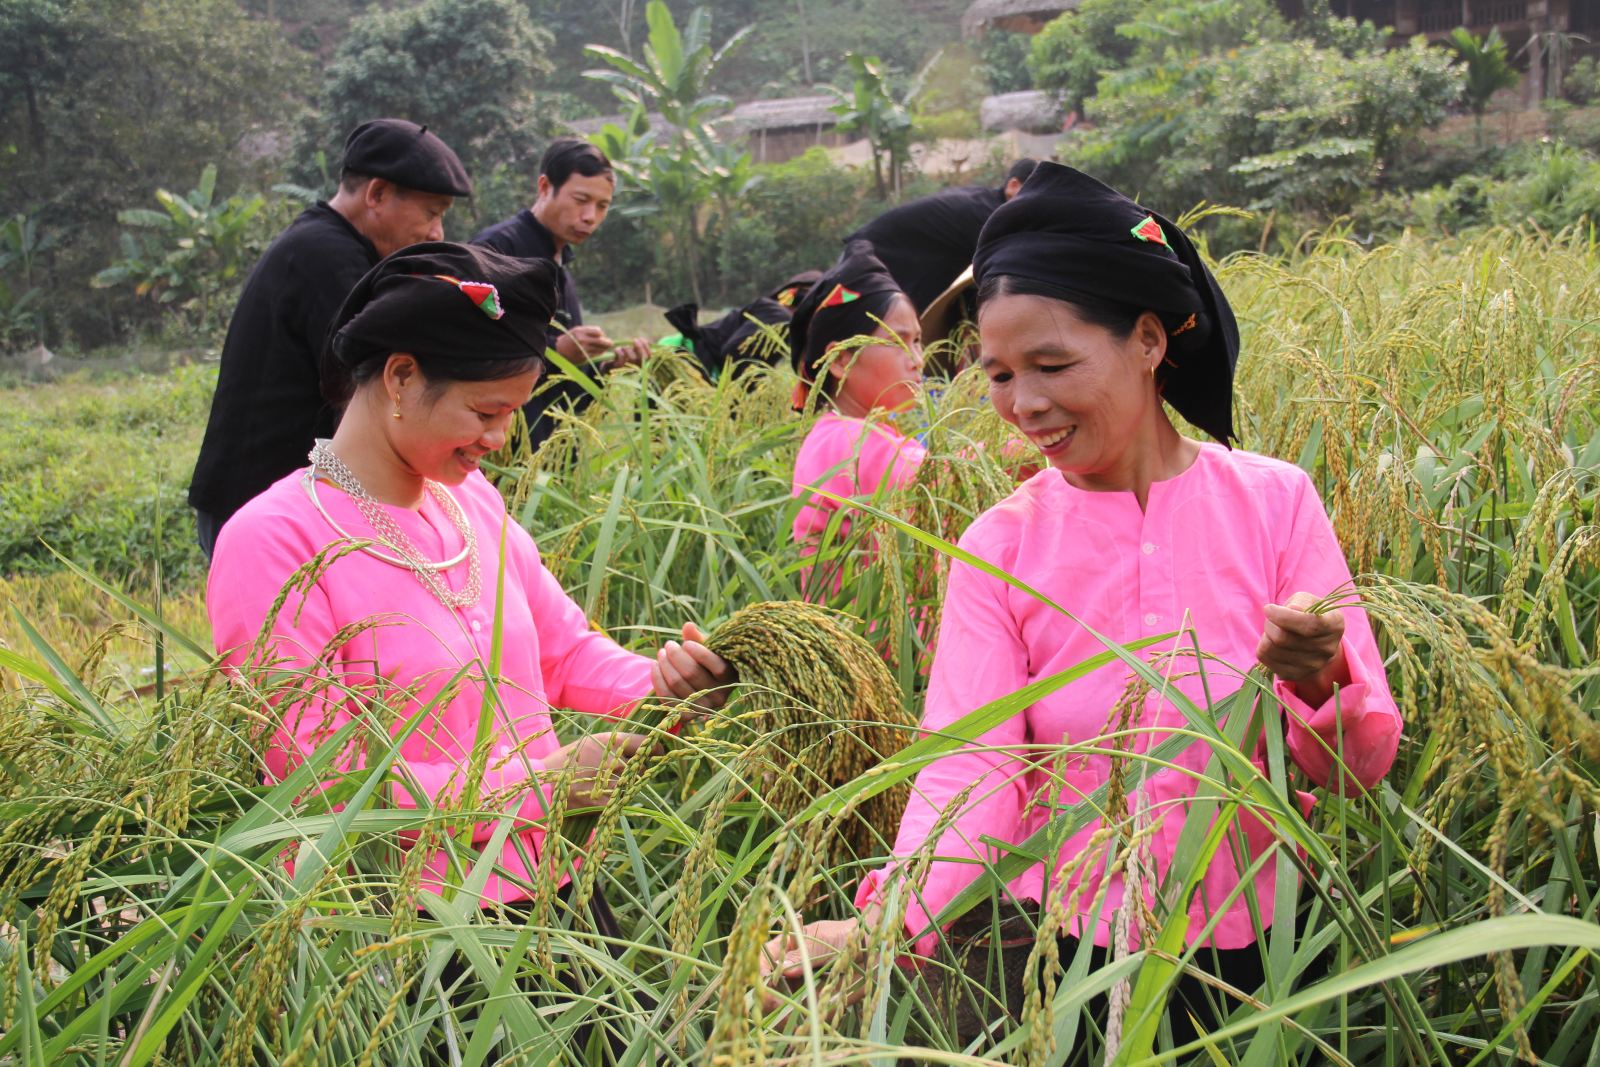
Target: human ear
400,371
839,365
1149,338
377,192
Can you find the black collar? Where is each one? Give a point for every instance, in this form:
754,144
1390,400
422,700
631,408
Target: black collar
547,239
322,207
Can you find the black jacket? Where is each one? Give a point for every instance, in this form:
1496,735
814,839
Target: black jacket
268,408
525,236
927,243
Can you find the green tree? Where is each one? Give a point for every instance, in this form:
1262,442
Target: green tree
466,68
104,101
870,109
1074,49
684,167
1005,61
1486,70
192,254
1276,125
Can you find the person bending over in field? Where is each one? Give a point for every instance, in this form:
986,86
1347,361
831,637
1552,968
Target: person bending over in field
750,335
431,355
854,339
1093,312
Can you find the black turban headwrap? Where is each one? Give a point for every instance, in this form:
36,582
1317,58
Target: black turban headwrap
1077,236
444,301
738,336
790,292
849,300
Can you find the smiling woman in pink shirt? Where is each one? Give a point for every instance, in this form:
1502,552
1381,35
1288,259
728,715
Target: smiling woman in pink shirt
1093,312
434,351
852,449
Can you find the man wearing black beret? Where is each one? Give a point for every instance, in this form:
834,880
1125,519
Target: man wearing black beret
397,180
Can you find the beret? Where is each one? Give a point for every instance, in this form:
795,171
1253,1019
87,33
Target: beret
408,155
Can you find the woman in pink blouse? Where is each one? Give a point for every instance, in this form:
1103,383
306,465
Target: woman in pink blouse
1092,312
432,354
852,450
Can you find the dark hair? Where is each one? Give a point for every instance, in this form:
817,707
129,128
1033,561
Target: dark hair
1020,170
351,181
569,155
340,381
1114,316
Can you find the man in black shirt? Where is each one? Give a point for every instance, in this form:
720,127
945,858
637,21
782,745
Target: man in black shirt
927,243
574,192
396,183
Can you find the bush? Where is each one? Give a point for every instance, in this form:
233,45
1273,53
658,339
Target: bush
190,258
1280,125
1071,53
1551,186
793,222
618,264
466,68
1004,61
1581,85
102,103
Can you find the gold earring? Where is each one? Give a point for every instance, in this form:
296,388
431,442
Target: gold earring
397,413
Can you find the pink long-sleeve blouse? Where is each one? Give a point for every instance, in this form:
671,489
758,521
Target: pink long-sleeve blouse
1213,545
550,655
848,457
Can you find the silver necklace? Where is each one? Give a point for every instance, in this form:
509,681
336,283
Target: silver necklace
325,463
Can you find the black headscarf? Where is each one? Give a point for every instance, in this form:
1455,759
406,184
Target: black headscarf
792,291
1077,235
738,336
849,300
446,301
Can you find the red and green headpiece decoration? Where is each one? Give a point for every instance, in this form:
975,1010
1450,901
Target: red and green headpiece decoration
849,300
1069,236
482,294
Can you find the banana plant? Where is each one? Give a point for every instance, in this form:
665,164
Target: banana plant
190,252
685,167
870,109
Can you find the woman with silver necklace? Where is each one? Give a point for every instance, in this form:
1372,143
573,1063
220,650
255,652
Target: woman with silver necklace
412,544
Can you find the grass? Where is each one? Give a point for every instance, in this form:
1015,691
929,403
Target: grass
1445,398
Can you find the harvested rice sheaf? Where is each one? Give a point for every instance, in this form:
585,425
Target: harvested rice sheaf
822,704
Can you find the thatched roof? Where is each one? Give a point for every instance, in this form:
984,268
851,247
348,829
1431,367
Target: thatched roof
986,11
590,127
1033,111
793,112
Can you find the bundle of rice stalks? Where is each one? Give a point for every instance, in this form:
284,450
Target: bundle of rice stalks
822,709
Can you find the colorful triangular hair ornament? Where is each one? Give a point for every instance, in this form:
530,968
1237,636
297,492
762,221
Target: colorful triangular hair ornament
484,295
840,295
1150,230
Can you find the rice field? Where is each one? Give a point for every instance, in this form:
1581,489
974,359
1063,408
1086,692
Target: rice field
1444,397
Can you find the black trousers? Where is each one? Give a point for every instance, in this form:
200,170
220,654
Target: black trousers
968,1011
